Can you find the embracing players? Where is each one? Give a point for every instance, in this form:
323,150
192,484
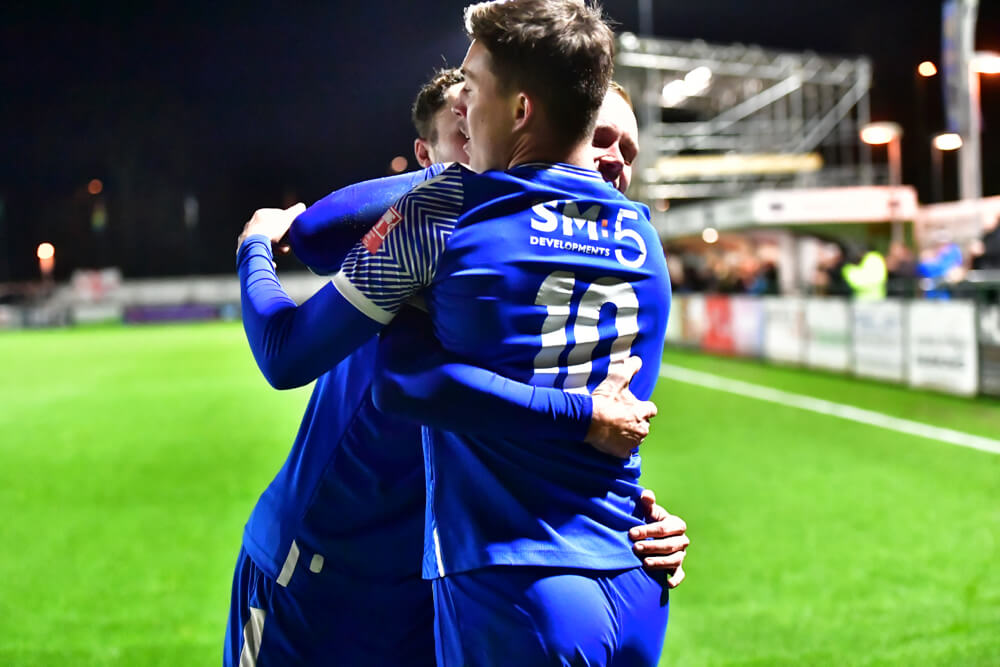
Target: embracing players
337,610
547,276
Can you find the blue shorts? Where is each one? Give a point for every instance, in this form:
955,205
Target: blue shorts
350,623
528,616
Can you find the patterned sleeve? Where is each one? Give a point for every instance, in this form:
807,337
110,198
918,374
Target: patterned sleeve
399,255
326,231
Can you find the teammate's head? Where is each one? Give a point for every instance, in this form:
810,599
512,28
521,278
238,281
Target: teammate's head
438,136
616,135
536,74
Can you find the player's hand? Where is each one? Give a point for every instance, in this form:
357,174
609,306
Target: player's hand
661,544
620,421
272,223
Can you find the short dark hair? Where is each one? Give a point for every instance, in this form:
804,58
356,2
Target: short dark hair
560,51
431,99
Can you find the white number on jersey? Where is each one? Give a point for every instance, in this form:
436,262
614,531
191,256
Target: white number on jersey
556,294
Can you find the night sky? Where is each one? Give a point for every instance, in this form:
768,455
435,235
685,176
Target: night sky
244,105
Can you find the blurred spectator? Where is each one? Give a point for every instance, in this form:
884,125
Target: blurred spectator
986,257
867,278
901,266
678,282
735,266
828,279
749,274
766,281
986,253
938,267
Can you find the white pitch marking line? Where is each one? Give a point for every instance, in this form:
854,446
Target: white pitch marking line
822,407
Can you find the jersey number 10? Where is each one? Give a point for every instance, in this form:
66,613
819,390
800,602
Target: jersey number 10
563,312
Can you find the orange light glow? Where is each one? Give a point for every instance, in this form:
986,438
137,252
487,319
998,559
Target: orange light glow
95,186
398,164
947,141
880,133
986,63
926,68
46,251
710,235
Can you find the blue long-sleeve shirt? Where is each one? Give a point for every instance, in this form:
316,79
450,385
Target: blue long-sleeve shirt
355,473
556,275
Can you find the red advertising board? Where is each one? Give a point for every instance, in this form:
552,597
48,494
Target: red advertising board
719,332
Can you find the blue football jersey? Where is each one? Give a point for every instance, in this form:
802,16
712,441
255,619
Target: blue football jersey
353,479
544,274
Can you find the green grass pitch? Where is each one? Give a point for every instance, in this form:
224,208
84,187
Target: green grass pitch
131,457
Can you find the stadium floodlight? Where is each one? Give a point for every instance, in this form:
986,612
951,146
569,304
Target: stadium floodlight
674,93
878,134
46,254
985,62
697,80
947,141
629,41
694,83
46,251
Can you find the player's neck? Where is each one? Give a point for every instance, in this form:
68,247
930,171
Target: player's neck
529,149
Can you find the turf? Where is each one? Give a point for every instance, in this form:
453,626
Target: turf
132,456
821,541
131,459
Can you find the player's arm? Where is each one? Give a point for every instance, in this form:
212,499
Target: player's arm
418,380
294,345
324,233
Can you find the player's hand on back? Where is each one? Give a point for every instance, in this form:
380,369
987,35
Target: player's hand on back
272,223
662,542
620,421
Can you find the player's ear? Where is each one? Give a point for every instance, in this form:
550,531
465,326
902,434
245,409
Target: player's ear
422,151
523,111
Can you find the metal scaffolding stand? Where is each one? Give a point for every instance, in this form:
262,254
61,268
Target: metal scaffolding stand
721,121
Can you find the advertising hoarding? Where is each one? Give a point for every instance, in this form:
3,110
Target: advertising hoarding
675,324
719,325
879,346
695,320
989,350
941,346
784,329
828,334
748,325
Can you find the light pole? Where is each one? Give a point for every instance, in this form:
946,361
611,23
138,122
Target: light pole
890,135
982,62
46,254
945,141
926,70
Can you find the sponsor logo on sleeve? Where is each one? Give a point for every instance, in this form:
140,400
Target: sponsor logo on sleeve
372,241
